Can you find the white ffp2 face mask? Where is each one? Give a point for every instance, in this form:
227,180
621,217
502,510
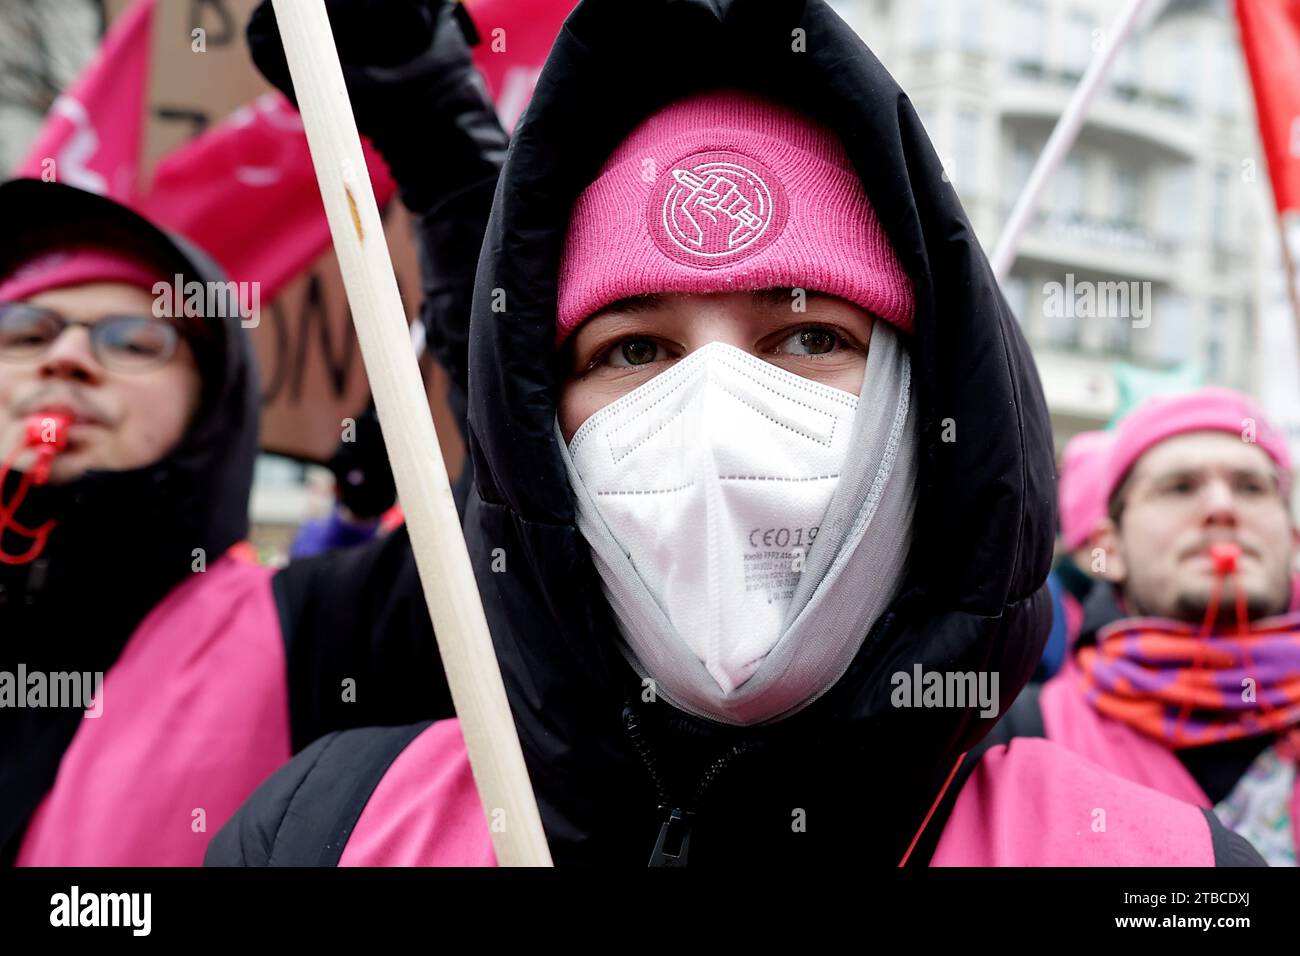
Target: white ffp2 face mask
748,524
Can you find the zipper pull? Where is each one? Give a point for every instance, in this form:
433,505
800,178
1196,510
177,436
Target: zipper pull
674,843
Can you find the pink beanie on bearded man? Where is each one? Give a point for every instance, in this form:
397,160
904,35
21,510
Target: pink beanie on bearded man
727,191
1206,409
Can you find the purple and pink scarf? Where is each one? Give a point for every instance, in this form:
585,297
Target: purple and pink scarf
1188,687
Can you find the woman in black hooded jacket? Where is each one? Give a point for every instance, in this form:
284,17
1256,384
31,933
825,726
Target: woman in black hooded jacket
624,769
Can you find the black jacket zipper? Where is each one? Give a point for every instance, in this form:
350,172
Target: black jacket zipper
672,848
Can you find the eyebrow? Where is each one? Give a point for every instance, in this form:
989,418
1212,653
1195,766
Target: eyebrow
1198,471
648,302
781,295
635,304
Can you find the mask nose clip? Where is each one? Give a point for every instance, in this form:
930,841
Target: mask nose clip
47,434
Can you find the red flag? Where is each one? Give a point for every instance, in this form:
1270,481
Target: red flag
94,130
1270,36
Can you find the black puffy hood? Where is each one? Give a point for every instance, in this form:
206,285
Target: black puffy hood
606,765
126,538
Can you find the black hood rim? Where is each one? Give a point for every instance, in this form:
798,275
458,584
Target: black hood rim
976,600
1012,550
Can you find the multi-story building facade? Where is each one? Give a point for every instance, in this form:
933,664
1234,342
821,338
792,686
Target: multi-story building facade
1164,190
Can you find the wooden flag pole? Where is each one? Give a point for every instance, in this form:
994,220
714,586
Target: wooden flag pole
423,489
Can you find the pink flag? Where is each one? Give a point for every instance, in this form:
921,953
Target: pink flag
246,191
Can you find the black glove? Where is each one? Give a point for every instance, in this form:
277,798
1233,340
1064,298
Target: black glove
365,479
414,90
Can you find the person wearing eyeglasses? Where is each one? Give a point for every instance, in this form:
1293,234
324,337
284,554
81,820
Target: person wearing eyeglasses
151,673
128,381
207,671
214,670
146,501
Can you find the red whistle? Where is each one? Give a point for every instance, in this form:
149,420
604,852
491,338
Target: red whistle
1224,555
47,432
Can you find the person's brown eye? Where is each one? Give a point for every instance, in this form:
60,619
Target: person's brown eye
633,352
813,341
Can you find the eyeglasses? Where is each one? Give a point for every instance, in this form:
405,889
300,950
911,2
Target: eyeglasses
123,343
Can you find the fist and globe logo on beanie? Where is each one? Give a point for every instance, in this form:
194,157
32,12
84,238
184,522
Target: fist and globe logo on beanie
722,192
717,208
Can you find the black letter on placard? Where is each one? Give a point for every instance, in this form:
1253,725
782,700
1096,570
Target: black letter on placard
337,365
227,21
196,118
275,382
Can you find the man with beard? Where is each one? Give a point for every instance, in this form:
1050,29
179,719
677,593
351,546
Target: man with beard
1186,674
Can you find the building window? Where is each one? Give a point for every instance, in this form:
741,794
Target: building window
1072,190
1216,343
1077,44
1127,76
1118,334
1028,30
970,25
1016,291
1184,70
1062,330
270,469
1060,319
1126,196
1227,79
1177,202
1019,167
1220,223
1172,325
965,153
927,25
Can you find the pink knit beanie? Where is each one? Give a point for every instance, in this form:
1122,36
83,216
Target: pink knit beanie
727,191
76,265
1206,409
1082,497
